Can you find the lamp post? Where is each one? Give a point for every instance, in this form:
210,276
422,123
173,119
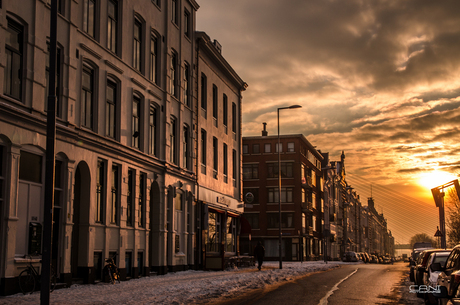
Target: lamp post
279,178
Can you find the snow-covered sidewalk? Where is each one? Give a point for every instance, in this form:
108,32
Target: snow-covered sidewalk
184,287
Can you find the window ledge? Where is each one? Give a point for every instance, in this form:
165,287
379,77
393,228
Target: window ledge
180,254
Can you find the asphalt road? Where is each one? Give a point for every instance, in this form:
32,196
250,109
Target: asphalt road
350,284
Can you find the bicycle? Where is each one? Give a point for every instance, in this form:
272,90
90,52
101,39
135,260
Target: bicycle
29,277
112,270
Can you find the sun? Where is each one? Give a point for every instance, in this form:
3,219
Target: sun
435,178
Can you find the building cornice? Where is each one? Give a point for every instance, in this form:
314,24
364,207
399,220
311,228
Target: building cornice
205,44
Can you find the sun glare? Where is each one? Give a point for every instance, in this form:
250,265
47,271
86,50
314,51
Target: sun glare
435,178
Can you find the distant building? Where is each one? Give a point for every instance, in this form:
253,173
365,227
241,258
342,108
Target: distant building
301,196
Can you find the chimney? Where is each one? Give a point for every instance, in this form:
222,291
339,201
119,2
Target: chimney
264,132
218,46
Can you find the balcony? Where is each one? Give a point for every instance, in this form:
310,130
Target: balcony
310,231
307,182
307,206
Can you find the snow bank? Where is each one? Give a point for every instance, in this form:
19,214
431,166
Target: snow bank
177,288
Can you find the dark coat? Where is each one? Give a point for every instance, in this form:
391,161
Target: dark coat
259,251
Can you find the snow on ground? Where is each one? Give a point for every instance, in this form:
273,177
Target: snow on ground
183,287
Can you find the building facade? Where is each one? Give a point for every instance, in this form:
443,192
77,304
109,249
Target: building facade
219,159
301,196
126,137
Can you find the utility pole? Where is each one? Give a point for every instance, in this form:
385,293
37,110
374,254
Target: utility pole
438,195
50,160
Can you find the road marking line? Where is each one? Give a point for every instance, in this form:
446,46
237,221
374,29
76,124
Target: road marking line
323,301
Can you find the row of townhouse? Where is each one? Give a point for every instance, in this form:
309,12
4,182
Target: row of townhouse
148,140
321,215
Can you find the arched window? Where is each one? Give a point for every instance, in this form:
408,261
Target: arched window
138,44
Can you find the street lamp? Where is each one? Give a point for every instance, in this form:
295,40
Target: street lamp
279,178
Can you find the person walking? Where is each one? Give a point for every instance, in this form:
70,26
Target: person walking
259,253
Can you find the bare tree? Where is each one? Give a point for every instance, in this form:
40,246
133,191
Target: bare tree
453,217
422,237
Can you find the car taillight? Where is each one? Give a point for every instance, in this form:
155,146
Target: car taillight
457,278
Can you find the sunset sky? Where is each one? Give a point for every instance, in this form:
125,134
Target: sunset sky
376,79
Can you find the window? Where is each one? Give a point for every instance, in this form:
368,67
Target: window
157,2
13,68
114,204
153,131
225,152
287,220
253,191
179,222
281,147
100,191
225,111
204,84
30,167
234,117
185,147
250,171
187,84
136,124
60,5
203,151
245,149
57,79
286,170
215,153
174,12
231,235
87,96
267,148
173,138
173,75
128,264
187,23
110,109
2,174
142,200
112,25
137,45
290,147
130,198
215,107
256,148
89,17
235,167
286,194
153,59
253,219
214,229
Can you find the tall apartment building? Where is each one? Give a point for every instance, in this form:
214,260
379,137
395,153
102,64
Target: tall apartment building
126,137
301,196
218,167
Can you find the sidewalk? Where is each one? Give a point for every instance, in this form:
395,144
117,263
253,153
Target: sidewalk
186,287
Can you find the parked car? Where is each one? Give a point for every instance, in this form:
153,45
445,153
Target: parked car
430,277
449,276
373,259
366,257
421,264
350,256
412,262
